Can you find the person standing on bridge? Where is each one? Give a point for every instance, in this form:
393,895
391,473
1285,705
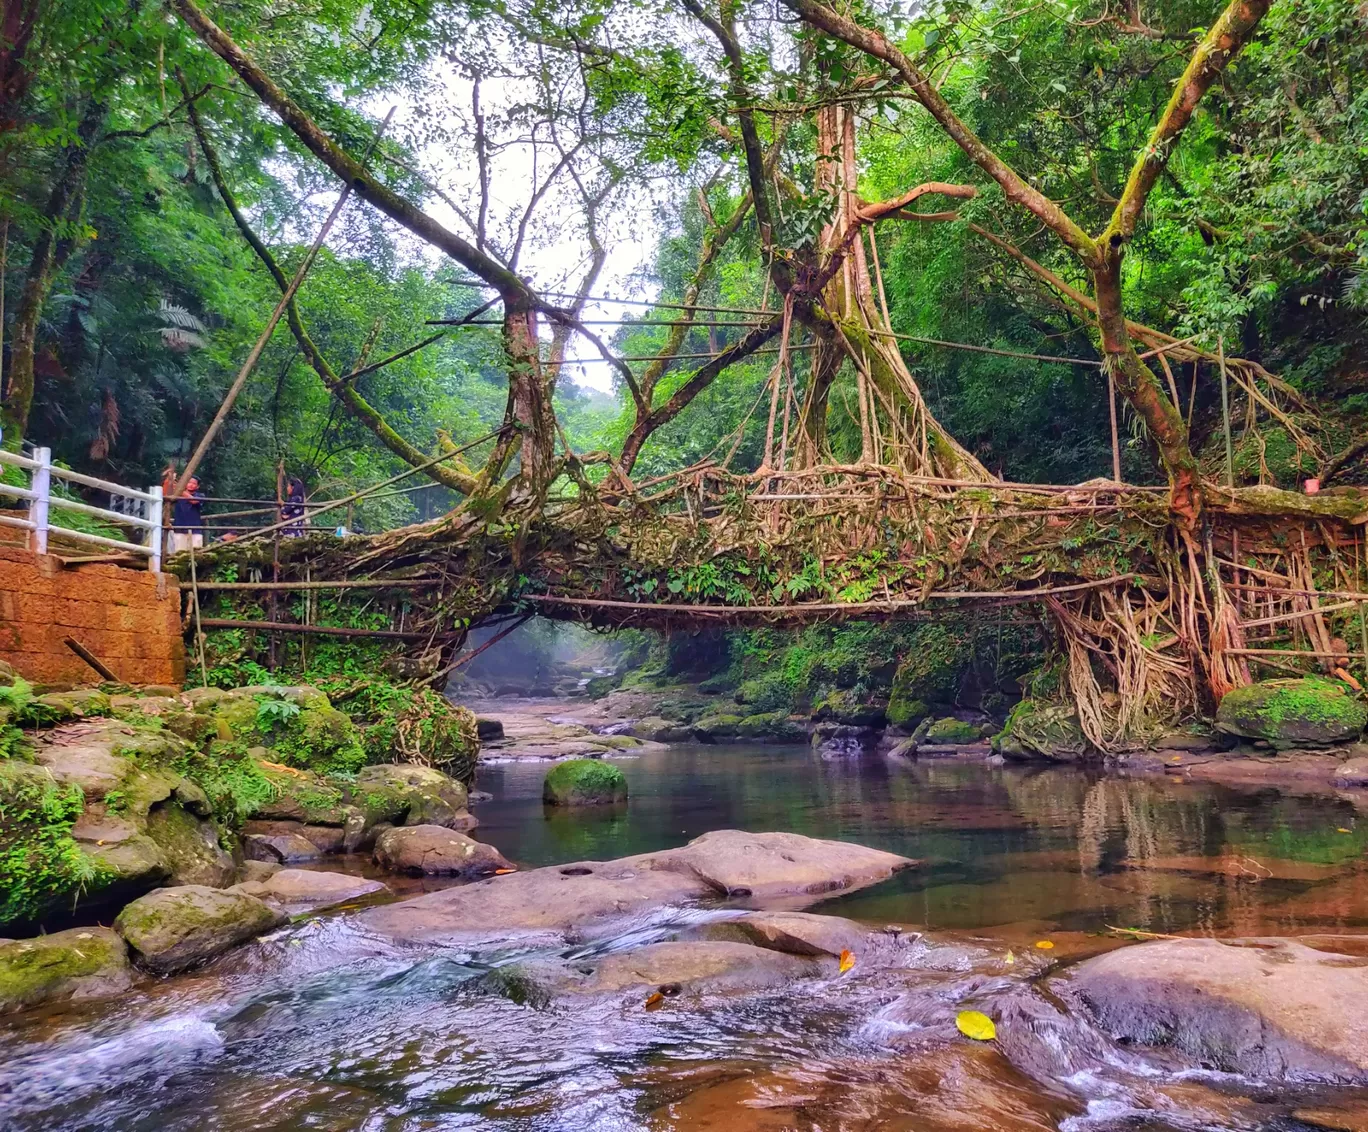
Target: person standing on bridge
291,499
187,520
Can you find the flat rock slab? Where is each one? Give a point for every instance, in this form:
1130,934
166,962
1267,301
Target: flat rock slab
770,865
570,903
75,964
1271,1008
307,889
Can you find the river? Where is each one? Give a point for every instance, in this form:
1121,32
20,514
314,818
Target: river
319,1026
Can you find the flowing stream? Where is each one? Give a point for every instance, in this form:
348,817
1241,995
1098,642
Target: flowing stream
320,1026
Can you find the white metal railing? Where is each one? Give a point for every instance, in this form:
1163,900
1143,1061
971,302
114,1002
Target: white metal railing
128,507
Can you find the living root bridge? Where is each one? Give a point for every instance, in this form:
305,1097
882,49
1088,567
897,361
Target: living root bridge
1154,624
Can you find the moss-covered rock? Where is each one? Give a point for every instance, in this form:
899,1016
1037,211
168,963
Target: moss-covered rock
60,707
774,726
584,782
174,928
715,728
76,964
411,795
952,731
1037,730
661,730
1310,712
904,710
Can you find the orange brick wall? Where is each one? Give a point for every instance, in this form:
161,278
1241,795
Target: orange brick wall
130,619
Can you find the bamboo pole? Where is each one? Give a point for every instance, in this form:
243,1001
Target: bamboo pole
1225,411
1115,438
315,630
252,358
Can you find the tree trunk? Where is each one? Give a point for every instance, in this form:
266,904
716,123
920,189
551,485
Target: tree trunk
530,397
49,254
1139,385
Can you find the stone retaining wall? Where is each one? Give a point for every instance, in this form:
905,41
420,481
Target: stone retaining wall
130,620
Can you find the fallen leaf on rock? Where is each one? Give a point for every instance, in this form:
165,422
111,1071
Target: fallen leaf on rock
1009,957
654,1001
976,1025
847,960
503,872
1044,944
1343,830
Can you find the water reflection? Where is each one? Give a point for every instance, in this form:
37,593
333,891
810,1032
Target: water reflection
1006,846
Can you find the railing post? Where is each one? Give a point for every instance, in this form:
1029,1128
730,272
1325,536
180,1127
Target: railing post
155,534
42,491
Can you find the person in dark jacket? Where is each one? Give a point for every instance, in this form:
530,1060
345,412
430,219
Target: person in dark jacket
292,507
187,518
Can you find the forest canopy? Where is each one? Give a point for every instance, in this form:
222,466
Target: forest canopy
810,200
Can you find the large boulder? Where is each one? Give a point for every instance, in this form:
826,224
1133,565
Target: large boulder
584,782
845,707
432,850
1039,730
76,964
1306,712
1267,1008
175,928
589,899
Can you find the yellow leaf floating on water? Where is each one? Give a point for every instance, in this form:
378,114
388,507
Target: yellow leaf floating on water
1044,944
655,1001
847,960
973,1024
1009,957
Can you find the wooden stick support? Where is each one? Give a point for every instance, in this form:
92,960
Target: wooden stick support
90,658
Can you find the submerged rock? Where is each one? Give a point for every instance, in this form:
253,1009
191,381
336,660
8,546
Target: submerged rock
570,903
1310,711
76,964
430,850
1353,774
800,933
584,782
1269,1008
696,966
175,928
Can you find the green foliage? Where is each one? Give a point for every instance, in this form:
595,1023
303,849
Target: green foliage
234,781
41,865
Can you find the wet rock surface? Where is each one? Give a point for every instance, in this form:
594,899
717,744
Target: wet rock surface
172,929
584,899
1271,1008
